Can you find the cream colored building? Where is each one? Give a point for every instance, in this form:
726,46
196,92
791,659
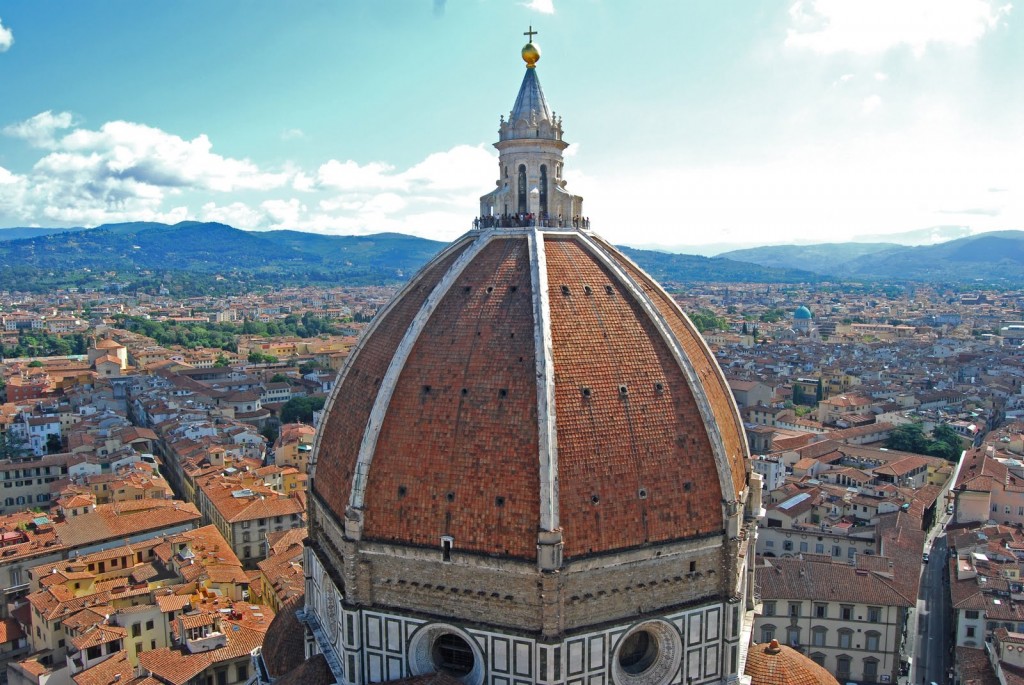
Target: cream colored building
849,619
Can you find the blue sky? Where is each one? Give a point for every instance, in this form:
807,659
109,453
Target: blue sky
693,123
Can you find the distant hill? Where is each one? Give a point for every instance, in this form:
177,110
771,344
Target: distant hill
393,252
27,232
668,268
991,257
192,257
822,258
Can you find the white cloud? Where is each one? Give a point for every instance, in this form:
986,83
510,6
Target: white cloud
7,178
292,134
845,78
40,130
870,104
351,176
875,26
6,38
125,171
122,171
303,182
284,213
154,157
881,76
462,168
237,214
542,6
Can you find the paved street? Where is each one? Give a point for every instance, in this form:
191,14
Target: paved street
934,639
935,617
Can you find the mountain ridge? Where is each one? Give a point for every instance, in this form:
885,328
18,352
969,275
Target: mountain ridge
996,256
204,252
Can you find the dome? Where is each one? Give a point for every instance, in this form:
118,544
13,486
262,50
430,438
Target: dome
531,380
802,312
775,664
284,644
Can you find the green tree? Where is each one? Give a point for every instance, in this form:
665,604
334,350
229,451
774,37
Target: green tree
707,320
53,443
221,362
300,409
773,316
270,431
312,365
946,443
11,447
908,437
279,378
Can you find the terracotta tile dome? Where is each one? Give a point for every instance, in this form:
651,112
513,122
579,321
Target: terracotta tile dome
531,380
775,664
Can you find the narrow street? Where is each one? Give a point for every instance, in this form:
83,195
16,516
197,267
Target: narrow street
935,619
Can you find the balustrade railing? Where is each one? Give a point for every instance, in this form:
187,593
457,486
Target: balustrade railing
525,220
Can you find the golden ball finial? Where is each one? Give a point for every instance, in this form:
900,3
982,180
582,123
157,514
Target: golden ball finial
531,53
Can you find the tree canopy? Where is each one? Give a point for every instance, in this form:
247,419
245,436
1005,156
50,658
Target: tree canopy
773,316
707,320
910,437
300,409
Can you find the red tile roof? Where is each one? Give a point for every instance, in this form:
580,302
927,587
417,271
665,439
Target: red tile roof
458,447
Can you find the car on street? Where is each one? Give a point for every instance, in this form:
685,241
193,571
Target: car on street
924,557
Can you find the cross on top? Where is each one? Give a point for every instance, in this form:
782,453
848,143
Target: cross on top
531,33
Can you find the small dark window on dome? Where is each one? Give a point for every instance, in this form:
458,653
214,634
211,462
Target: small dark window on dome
623,390
450,497
402,490
513,288
586,392
659,387
490,289
565,290
426,389
446,551
595,499
465,392
688,486
499,501
642,493
466,288
609,290
504,392
587,289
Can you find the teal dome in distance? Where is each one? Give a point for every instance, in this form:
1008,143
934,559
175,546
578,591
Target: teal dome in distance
802,313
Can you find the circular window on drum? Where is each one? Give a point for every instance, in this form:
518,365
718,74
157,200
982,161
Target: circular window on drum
443,648
649,654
